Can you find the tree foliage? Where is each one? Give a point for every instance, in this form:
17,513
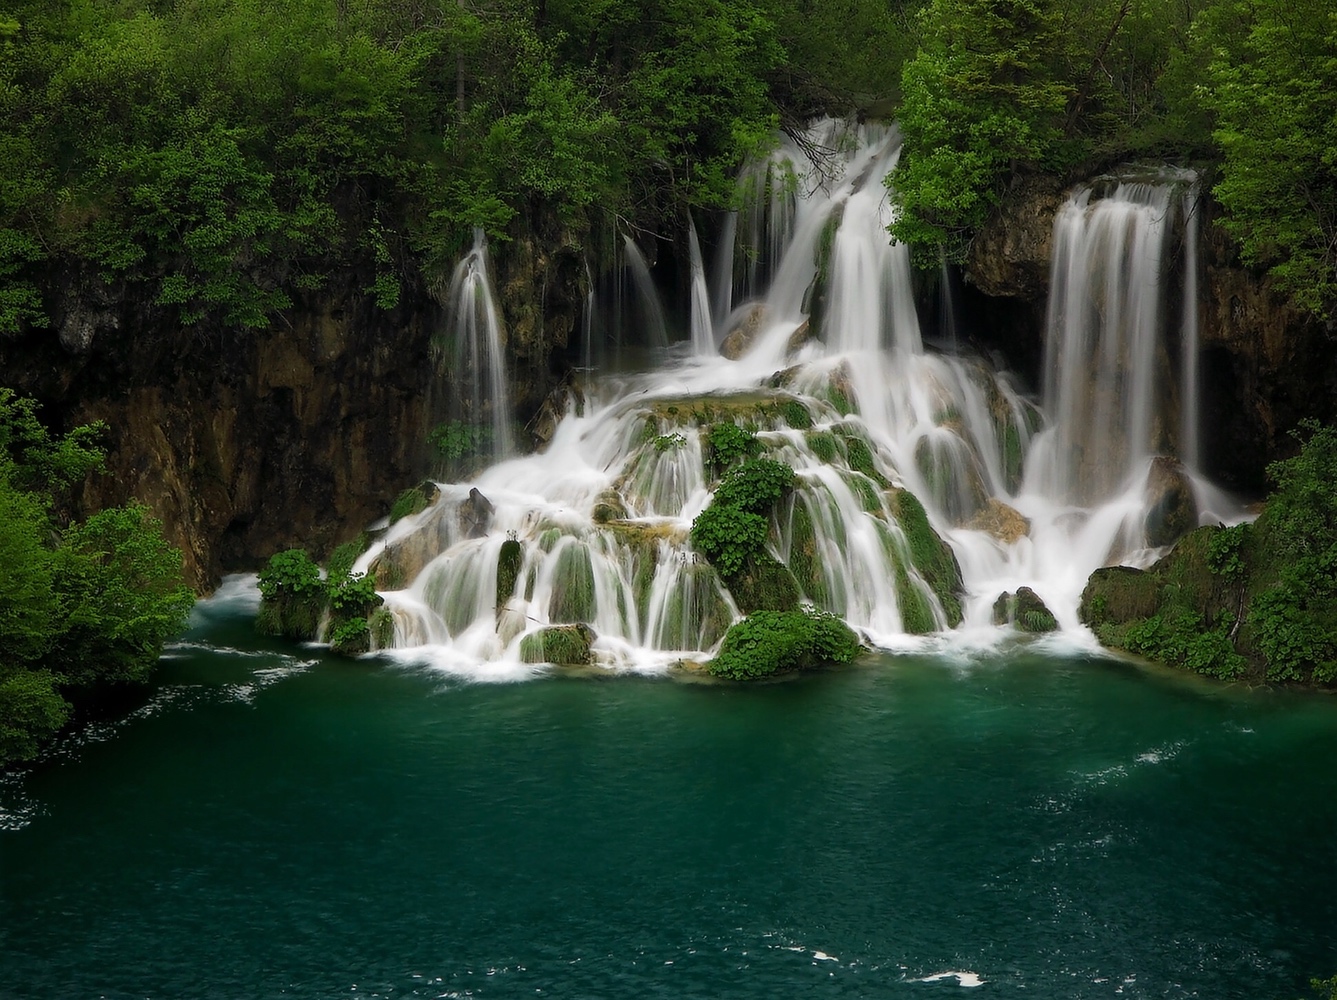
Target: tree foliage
82,604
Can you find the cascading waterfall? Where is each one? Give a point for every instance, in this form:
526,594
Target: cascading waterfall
655,329
833,377
702,323
475,345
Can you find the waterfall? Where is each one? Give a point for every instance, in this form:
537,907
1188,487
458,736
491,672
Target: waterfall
1108,385
1189,439
831,375
475,346
703,328
651,313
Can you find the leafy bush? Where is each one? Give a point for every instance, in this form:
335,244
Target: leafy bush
755,486
727,536
1225,557
411,501
82,604
456,440
770,642
353,594
1180,638
730,444
669,442
290,572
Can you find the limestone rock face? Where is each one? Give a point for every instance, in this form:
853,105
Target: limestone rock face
1009,258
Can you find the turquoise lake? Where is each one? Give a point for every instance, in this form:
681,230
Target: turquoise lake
276,822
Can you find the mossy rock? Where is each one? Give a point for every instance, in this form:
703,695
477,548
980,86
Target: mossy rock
1118,595
609,506
1024,610
771,642
414,500
763,584
382,625
292,616
509,560
932,557
1171,510
565,645
1001,521
916,610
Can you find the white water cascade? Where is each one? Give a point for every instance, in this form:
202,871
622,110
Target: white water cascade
835,381
474,347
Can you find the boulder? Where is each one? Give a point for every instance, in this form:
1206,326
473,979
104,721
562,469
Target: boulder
1025,610
743,335
475,515
1171,510
1003,522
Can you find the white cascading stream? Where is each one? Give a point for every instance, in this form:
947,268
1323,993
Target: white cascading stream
837,384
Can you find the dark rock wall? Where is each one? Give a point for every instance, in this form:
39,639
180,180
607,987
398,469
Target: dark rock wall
245,442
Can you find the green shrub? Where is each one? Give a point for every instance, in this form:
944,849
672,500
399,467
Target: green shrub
730,444
1180,638
352,637
290,572
755,486
411,501
1224,555
770,642
341,560
727,536
669,442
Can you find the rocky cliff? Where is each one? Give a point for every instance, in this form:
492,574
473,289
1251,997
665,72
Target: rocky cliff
244,442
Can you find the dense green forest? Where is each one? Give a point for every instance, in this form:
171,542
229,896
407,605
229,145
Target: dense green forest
223,155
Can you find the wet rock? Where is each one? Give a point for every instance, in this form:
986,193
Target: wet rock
743,336
1010,255
509,561
475,515
1003,522
1025,610
609,506
564,398
801,335
566,645
1172,512
1117,595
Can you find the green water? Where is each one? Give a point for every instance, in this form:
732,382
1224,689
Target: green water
279,825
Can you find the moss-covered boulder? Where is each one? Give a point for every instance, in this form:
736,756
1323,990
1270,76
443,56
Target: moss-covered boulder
414,500
509,560
293,597
1025,610
763,584
566,645
771,642
932,557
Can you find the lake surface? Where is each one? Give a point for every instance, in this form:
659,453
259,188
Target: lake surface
276,822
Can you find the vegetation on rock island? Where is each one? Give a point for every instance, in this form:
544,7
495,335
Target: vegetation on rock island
771,642
85,605
1256,600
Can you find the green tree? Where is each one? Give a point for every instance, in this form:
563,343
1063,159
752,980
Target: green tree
983,98
1272,84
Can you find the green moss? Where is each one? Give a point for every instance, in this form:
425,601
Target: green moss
573,586
509,560
932,557
341,560
1012,456
382,624
568,645
763,584
803,558
412,501
823,445
770,642
795,414
916,611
